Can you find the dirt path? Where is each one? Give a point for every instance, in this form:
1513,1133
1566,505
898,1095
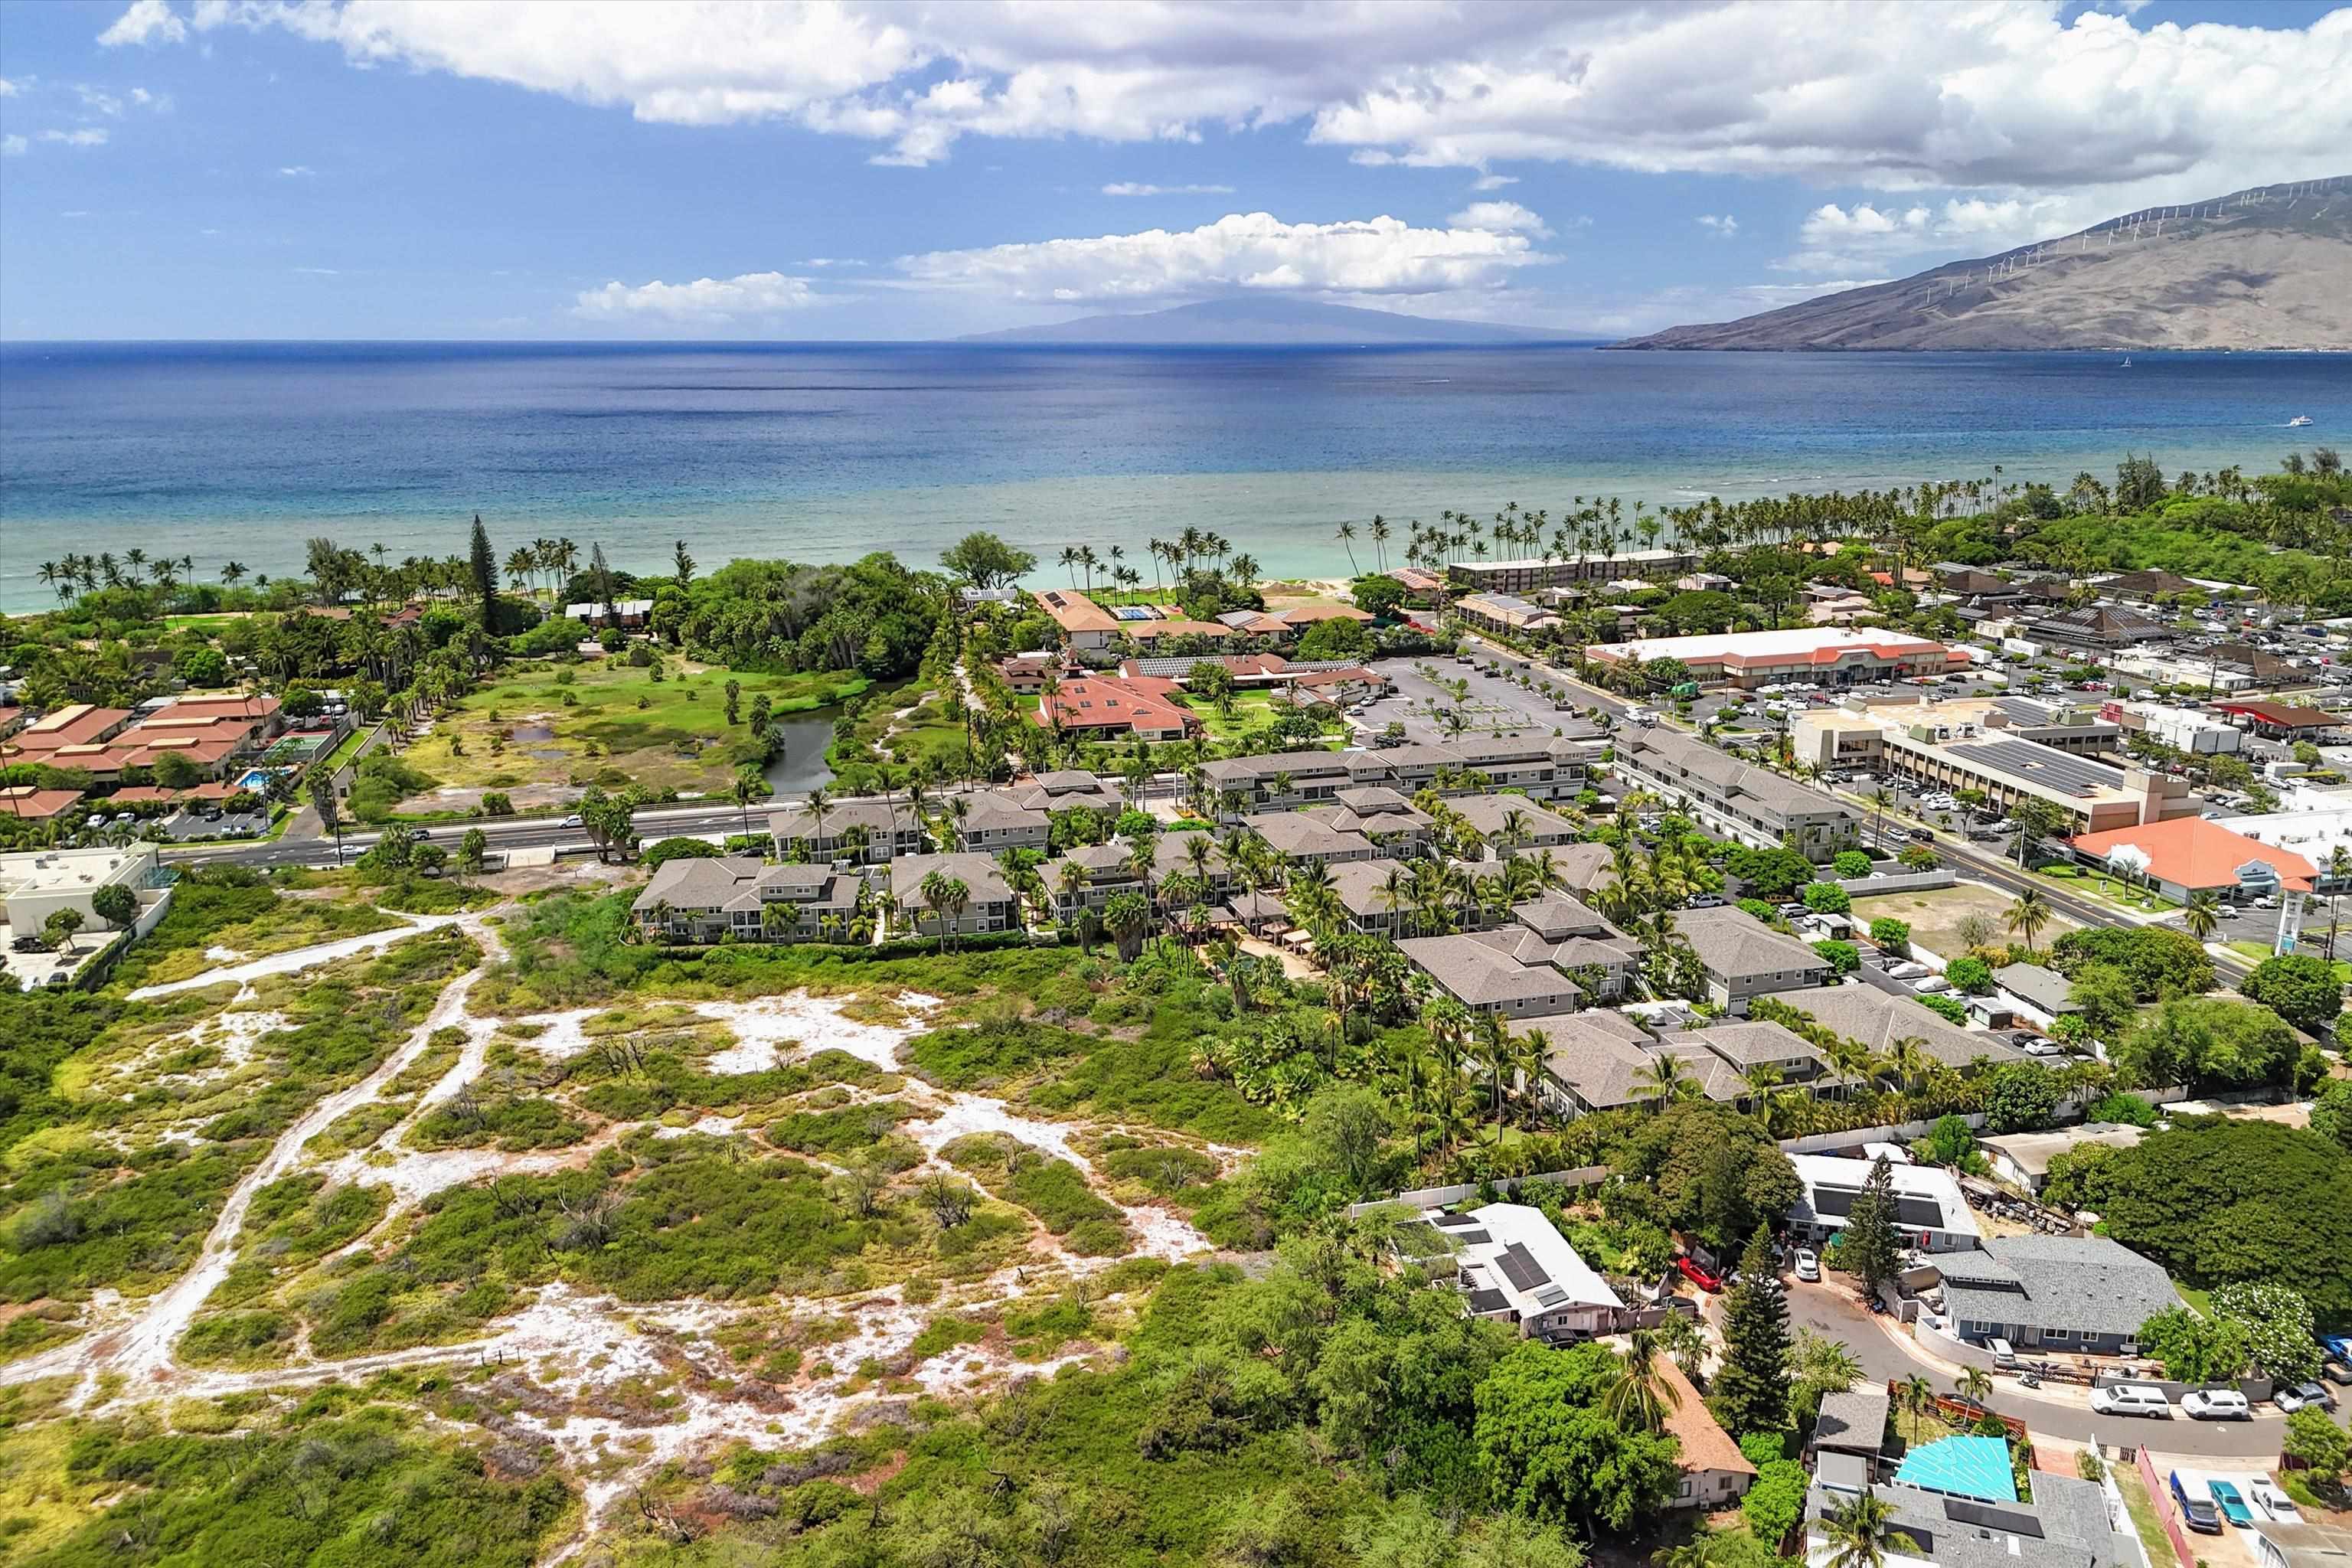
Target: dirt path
141,1350
294,960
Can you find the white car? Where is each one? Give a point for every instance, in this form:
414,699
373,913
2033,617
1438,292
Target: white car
2273,1503
2304,1394
1808,1267
2132,1399
2216,1404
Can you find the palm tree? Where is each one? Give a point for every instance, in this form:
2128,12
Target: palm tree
1861,1534
1072,878
1347,537
1662,1080
2029,915
1636,1398
1916,1393
749,787
2203,916
947,897
1975,1386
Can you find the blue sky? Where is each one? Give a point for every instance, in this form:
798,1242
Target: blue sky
860,169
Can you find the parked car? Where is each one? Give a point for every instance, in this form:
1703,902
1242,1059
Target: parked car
2303,1394
1697,1276
2196,1509
2234,1507
1809,1265
1706,901
2336,1372
2217,1405
2274,1504
571,821
2132,1399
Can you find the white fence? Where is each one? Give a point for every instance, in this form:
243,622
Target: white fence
1899,882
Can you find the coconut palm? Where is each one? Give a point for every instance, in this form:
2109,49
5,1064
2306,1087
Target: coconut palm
1861,1534
2203,916
2029,915
1916,1393
946,897
1637,1397
1128,916
1662,1079
1975,1386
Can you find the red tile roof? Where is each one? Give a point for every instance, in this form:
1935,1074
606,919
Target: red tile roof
30,804
1098,702
2286,715
2194,853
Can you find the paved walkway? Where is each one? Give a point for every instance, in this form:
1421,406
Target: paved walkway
1887,1354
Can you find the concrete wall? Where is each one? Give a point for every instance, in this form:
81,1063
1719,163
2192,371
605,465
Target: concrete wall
1899,881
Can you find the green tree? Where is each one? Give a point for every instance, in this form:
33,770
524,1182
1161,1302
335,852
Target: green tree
2318,1441
1827,899
1382,596
2195,1349
1871,1245
1892,934
1973,976
985,560
1770,873
482,573
472,844
1750,1392
2107,1000
2028,914
115,904
2300,987
1843,957
2019,1097
174,770
2331,1112
1850,863
2279,1329
1549,1453
2207,1041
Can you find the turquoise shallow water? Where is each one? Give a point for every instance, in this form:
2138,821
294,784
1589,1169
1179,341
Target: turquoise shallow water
823,452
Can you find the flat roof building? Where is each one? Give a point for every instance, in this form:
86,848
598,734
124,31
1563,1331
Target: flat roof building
1736,798
1528,574
1930,1210
1827,655
1516,1268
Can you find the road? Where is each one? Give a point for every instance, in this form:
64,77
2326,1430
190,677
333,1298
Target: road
1829,1310
503,834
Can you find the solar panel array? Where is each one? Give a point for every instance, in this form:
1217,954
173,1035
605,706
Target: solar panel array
1520,1267
1133,613
2053,769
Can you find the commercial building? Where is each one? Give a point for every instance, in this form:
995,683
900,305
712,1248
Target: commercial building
2008,748
2306,828
34,887
1734,798
1826,655
2072,1293
1517,1269
2097,626
2280,721
1929,1209
2191,854
2183,729
1527,575
1506,613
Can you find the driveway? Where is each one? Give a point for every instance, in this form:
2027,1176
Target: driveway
1829,1310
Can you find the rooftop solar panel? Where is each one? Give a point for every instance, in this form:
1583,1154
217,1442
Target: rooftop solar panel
1132,613
1520,1267
2045,765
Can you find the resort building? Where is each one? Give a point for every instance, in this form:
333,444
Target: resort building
1487,980
1064,789
740,898
1734,798
631,614
1248,671
1526,575
1306,838
1826,655
1505,615
1929,1208
1393,825
29,803
1570,938
1543,768
1513,824
1745,958
1083,623
1881,1020
78,724
2008,748
2191,854
1517,1269
1107,708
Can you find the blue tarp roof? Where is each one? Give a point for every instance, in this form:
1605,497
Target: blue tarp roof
1961,1467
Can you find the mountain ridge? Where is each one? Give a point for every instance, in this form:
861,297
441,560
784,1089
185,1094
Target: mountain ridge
2265,268
1273,321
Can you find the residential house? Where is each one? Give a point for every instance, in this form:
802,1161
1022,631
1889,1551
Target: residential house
1025,675
2072,1293
886,829
29,803
1108,873
1852,1421
2043,995
1764,1056
1083,623
989,903
1513,824
630,615
1881,1020
1517,1269
1929,1208
2023,1158
1486,981
1715,1473
2302,1546
1734,798
1568,936
2067,1524
1105,707
991,821
1305,838
1745,959
740,898
1395,826
1593,1060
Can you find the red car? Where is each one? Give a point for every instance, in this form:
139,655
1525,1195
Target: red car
1697,1276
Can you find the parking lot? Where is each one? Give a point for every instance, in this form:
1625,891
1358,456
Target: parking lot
1497,706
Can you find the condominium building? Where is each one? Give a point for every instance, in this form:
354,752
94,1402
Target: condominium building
1826,655
1525,575
1734,798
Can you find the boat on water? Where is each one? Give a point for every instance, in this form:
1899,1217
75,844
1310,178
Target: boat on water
2298,422
2127,364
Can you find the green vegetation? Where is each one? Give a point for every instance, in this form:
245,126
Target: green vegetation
235,908
2302,988
1054,1190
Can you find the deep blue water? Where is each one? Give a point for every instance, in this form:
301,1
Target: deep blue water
826,451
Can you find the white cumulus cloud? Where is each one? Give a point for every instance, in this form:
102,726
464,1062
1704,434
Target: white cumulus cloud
704,299
1836,238
1722,226
1241,252
88,136
9,89
1129,188
14,146
1503,217
146,22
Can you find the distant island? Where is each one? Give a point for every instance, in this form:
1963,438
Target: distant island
2269,267
1274,320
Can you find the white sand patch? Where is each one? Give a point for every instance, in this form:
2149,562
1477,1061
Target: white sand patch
562,1036
763,1027
963,1113
463,1071
295,959
708,1126
219,954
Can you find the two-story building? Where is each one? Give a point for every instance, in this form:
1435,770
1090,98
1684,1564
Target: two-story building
1736,799
870,829
1745,959
740,898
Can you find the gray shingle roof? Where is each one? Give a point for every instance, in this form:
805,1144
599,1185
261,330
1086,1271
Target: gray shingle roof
2085,1284
1734,943
1879,1018
1480,976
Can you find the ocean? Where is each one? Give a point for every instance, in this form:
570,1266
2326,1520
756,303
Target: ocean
825,452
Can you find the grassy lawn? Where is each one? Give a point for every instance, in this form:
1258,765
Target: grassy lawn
1251,711
2096,885
2258,950
901,727
611,723
2143,1515
1934,915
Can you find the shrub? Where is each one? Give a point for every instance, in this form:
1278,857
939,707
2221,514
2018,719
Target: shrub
1892,934
1776,1501
1827,899
664,849
1843,957
1950,1007
1973,976
1852,863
